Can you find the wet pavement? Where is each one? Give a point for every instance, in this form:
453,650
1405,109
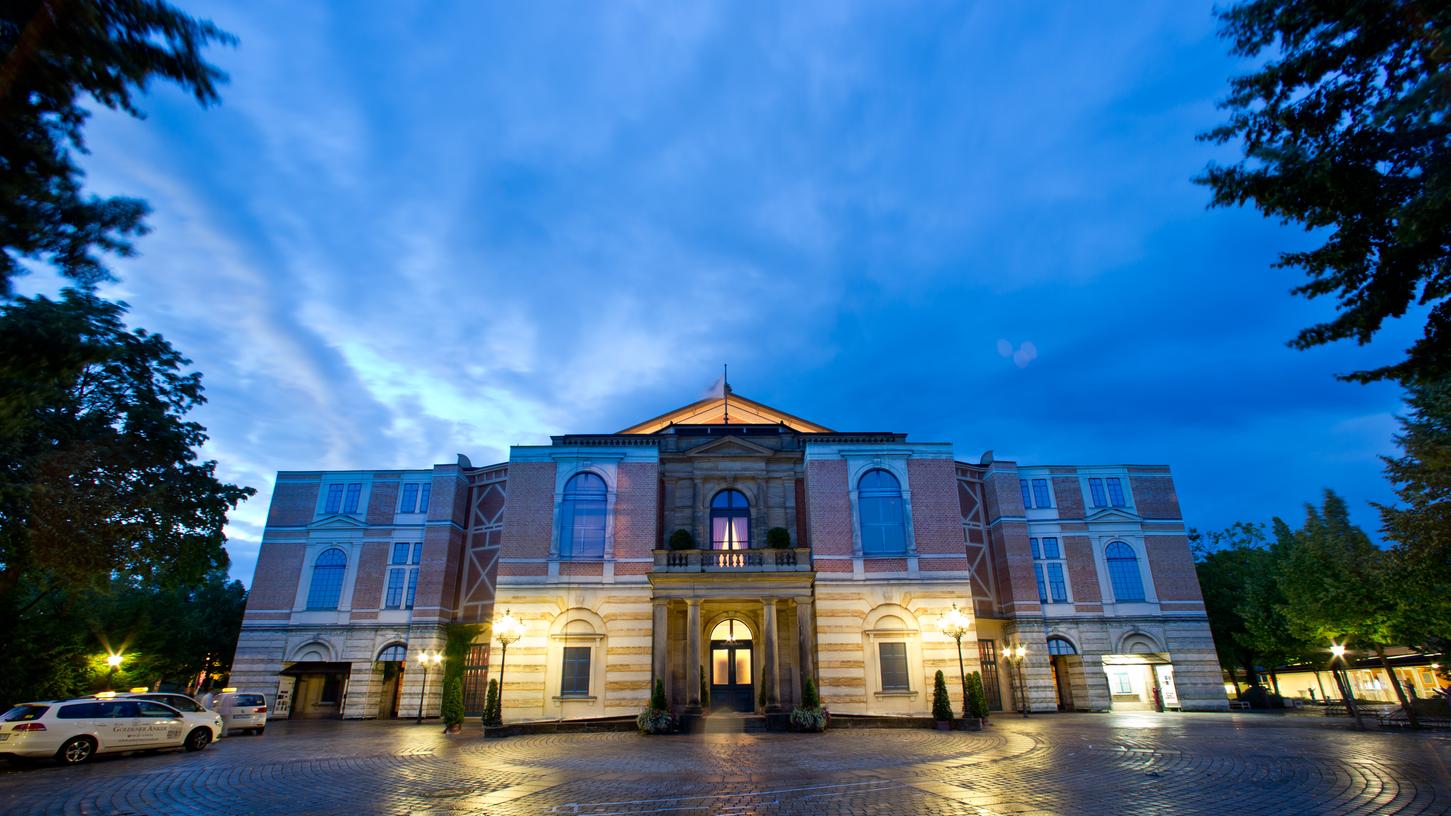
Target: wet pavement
1065,763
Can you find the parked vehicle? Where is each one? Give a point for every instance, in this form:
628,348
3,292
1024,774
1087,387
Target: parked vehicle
242,711
194,712
74,731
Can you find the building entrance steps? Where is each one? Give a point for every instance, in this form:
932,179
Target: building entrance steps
732,722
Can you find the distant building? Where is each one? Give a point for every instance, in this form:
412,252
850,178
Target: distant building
1417,672
1088,568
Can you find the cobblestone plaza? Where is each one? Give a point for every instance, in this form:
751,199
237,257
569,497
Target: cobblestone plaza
1067,763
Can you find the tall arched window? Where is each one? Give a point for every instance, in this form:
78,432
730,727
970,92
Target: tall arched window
730,521
327,579
582,517
1123,572
879,504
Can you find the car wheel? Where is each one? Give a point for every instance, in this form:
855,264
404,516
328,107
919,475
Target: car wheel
259,731
198,739
76,750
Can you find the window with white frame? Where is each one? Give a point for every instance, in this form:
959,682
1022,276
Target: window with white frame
879,506
1106,491
1123,572
414,498
575,679
343,498
402,575
326,587
892,656
582,517
1037,493
1049,569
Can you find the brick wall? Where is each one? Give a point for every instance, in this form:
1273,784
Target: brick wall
1154,496
829,507
637,496
1069,496
382,498
293,503
1082,572
274,584
529,515
1172,565
368,585
936,512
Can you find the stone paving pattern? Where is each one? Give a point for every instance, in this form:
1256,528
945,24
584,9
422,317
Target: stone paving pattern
1059,764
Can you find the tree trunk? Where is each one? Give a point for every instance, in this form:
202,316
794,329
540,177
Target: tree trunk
1406,706
1275,682
1342,680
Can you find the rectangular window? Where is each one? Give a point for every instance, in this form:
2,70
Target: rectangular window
423,497
350,501
394,598
400,554
412,587
1041,496
1122,684
894,666
1050,548
1027,497
987,657
417,553
1042,590
1037,553
410,498
334,499
1116,493
575,682
1095,487
1056,584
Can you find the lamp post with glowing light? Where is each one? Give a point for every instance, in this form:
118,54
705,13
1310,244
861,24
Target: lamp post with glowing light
955,625
1017,653
1342,677
506,630
114,661
425,660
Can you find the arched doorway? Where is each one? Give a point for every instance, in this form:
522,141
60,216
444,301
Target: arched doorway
730,667
392,659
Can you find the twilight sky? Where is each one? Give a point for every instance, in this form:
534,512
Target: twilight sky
417,229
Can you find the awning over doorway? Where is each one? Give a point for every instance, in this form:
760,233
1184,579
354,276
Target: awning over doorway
317,667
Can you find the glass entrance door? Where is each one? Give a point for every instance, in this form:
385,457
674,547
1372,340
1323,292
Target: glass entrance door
730,668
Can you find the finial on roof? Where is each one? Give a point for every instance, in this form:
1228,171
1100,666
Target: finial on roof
725,390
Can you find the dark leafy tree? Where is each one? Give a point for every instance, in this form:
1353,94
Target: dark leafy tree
54,55
99,478
1345,131
1225,562
1420,527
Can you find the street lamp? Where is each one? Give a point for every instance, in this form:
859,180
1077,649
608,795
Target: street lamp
114,661
507,630
955,625
424,660
1342,678
1018,653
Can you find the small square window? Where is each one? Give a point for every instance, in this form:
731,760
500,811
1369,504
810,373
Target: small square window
400,554
1050,548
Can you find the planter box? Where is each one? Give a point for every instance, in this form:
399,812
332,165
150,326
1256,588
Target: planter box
969,724
943,725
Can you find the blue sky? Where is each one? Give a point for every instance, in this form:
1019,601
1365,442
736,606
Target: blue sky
412,230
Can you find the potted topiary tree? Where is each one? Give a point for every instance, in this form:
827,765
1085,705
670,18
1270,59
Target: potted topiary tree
453,704
941,703
778,538
976,707
809,716
493,712
656,719
681,540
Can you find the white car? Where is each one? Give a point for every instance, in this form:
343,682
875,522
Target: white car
194,712
73,731
242,710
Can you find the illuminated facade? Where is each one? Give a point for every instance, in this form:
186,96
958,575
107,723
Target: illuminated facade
729,549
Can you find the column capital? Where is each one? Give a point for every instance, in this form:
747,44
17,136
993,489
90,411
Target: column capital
693,603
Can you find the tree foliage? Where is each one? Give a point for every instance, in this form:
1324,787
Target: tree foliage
976,704
452,710
493,710
54,55
1344,130
1420,527
1333,579
941,703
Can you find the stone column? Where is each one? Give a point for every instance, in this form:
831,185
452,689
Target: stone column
806,638
768,655
661,653
692,656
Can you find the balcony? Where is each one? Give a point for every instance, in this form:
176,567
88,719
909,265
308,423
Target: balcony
796,559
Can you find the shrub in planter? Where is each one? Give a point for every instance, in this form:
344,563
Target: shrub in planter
656,719
941,703
976,697
493,711
704,690
778,538
809,716
681,540
453,702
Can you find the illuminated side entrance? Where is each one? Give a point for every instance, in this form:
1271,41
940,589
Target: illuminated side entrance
730,667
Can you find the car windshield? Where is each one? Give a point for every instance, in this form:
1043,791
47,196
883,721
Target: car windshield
24,713
249,700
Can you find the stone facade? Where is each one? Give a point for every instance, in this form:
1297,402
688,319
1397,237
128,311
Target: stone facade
1076,582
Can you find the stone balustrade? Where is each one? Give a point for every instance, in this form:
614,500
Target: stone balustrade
796,559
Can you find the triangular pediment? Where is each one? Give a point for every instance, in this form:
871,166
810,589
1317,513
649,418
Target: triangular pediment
1112,514
725,409
338,521
730,446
